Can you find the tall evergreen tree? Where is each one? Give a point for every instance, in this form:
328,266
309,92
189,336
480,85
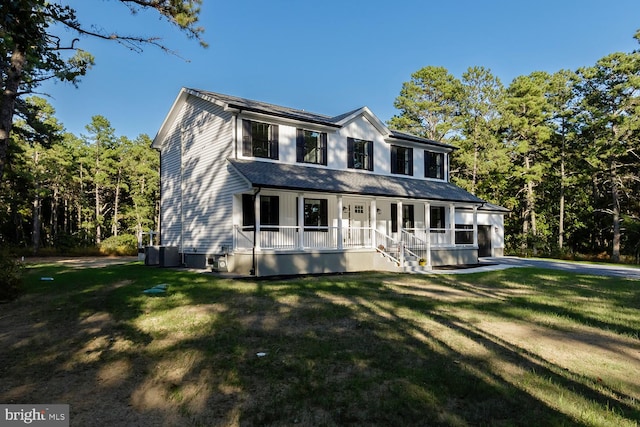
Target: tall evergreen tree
526,113
32,52
611,102
429,104
482,161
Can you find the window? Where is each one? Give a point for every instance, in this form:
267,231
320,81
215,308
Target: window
269,212
433,165
315,214
358,209
464,234
437,219
401,160
259,139
407,217
311,147
360,154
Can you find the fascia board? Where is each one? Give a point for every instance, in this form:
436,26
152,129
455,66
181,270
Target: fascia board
170,117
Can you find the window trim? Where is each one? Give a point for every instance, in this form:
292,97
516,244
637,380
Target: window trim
408,160
248,150
367,154
428,156
301,147
269,212
323,214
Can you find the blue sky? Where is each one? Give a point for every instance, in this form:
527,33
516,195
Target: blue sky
329,56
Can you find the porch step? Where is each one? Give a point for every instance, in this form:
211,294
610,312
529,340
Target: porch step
417,269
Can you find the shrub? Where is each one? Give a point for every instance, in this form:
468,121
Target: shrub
124,244
10,277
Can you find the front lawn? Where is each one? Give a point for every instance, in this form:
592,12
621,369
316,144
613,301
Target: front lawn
511,347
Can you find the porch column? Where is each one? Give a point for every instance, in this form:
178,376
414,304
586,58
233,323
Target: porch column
475,226
300,220
452,223
373,221
400,227
256,210
339,216
427,226
399,219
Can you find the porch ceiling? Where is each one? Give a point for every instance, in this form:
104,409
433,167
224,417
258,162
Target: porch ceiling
305,178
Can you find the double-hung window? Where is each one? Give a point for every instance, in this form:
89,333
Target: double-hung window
437,219
259,139
316,215
311,147
434,165
269,212
401,160
360,154
408,220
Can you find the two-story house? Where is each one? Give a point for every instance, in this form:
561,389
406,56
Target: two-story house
256,188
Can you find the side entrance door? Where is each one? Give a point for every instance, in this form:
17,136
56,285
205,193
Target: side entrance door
484,240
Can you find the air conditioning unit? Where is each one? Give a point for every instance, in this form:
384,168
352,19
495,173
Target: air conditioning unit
219,262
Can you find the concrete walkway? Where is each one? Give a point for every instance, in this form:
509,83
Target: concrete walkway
500,263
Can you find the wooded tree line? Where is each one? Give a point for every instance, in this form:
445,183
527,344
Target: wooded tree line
561,151
67,191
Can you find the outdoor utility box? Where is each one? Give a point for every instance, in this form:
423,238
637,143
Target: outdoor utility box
151,255
219,262
169,256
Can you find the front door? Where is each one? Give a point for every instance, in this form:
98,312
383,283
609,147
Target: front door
357,234
484,240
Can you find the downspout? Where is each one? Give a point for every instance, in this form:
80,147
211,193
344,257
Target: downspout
252,272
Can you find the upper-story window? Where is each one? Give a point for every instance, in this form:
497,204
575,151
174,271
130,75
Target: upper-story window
259,139
434,165
401,160
311,147
360,154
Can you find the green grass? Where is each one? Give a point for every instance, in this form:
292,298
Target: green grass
511,347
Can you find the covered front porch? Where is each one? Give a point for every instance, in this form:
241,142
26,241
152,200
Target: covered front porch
391,233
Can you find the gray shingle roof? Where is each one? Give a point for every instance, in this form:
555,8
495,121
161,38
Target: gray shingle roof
306,116
305,178
271,109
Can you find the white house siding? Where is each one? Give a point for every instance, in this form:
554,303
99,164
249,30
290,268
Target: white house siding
208,183
170,202
493,219
359,128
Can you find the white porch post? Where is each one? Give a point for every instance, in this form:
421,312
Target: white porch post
300,220
373,221
339,216
427,226
256,210
400,227
475,226
452,223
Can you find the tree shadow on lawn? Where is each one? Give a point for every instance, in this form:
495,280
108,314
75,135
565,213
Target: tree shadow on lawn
328,350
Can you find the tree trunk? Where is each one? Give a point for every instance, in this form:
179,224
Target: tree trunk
116,203
8,102
531,209
35,220
97,193
562,184
615,200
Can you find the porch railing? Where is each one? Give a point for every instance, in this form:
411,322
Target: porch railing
288,237
417,247
417,240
